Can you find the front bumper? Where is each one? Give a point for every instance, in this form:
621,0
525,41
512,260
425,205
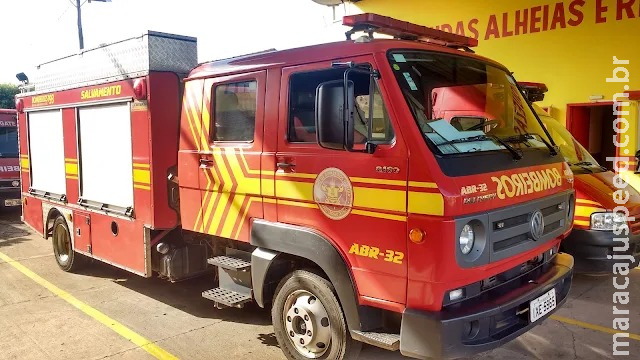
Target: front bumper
487,323
9,194
594,254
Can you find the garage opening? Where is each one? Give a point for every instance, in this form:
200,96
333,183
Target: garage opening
592,126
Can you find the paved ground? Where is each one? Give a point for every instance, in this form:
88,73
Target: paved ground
36,323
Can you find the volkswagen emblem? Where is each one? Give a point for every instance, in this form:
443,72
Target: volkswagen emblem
537,225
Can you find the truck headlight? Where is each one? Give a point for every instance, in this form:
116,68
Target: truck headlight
607,220
467,238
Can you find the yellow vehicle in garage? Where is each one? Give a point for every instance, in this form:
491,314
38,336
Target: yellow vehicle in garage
602,236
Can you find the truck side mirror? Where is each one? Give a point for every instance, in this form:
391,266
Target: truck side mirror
333,130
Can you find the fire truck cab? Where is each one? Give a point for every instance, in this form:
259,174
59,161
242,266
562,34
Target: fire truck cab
318,182
9,162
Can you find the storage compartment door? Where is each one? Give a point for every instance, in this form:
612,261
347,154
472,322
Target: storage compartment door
106,164
82,236
46,153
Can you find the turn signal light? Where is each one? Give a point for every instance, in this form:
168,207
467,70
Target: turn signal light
416,236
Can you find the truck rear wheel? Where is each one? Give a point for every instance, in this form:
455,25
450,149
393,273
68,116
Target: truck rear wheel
308,320
66,257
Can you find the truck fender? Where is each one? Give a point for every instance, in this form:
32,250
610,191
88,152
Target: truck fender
273,238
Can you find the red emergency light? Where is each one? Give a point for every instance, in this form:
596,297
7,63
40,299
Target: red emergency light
20,105
404,30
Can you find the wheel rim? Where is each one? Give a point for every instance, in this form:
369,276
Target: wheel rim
307,324
62,243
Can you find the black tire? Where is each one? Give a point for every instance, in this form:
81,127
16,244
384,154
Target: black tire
66,258
304,287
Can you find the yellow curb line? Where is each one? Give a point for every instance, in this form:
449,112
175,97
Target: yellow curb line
117,327
585,325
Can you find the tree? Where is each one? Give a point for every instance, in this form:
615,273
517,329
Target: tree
7,96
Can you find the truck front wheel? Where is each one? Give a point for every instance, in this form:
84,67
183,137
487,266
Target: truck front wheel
66,258
308,320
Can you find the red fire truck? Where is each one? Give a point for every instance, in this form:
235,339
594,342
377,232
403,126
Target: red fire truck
316,181
9,163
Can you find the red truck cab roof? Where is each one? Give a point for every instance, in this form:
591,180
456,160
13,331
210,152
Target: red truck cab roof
324,52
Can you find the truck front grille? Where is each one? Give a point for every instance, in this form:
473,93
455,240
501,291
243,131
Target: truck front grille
509,230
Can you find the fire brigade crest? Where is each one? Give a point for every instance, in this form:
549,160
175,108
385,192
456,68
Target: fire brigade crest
333,193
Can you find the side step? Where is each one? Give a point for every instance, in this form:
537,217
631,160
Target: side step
385,341
234,279
226,297
230,263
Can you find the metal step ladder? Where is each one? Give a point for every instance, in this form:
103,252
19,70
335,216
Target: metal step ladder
234,274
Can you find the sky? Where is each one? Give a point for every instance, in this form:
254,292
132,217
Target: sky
37,31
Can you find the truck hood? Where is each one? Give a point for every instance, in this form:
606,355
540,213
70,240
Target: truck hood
600,188
9,168
486,192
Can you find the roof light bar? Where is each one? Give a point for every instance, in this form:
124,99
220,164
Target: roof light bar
541,87
404,30
533,91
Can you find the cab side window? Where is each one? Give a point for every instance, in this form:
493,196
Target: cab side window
235,111
302,101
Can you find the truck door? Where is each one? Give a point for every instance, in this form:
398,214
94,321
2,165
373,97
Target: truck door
230,176
356,200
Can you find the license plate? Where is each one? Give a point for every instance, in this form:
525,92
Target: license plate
12,202
542,306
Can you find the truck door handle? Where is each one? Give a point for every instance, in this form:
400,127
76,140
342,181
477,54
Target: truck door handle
206,162
285,165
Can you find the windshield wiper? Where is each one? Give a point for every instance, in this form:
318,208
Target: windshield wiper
587,164
584,165
531,136
517,155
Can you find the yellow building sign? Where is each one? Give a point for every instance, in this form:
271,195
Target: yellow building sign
586,53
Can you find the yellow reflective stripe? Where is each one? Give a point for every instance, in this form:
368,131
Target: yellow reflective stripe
142,176
268,187
71,169
428,185
218,212
141,166
378,181
297,203
587,202
297,175
246,185
192,122
232,215
24,163
586,211
71,160
382,199
379,215
244,215
581,222
426,203
142,187
294,190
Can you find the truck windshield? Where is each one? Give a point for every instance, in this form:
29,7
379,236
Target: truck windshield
8,142
575,154
465,105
